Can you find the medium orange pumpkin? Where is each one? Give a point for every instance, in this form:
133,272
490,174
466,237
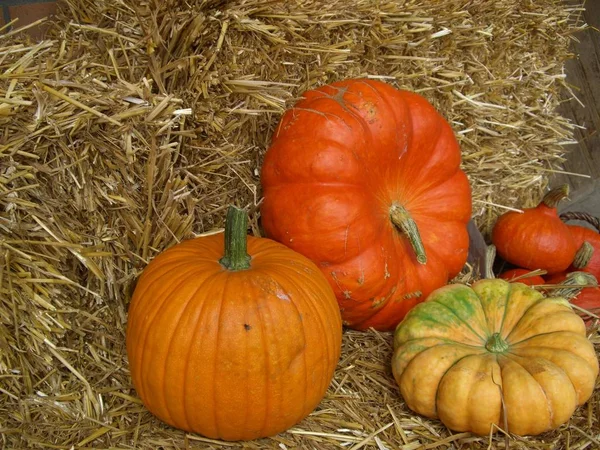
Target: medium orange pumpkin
365,180
236,344
583,234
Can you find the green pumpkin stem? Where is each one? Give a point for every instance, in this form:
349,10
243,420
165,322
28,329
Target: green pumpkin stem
496,344
401,218
574,283
554,196
236,228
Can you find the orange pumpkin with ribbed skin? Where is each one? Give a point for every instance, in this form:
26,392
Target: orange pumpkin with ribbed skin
475,357
233,348
365,180
536,238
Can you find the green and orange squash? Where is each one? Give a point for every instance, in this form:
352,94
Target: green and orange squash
494,355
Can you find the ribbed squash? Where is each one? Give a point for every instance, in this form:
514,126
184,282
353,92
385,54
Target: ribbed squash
232,337
477,357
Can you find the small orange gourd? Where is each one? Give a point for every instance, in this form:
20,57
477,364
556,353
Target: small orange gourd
231,336
536,238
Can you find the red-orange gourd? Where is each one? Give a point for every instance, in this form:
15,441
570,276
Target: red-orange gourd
583,234
522,276
236,344
536,238
365,180
587,299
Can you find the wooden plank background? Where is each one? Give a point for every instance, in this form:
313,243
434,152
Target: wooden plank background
583,75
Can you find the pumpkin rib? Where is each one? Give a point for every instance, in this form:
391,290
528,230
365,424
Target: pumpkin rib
460,318
439,382
188,302
219,352
507,368
188,358
517,328
300,289
439,378
506,309
557,350
546,394
148,326
154,279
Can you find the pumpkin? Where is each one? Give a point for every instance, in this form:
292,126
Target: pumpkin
536,238
495,354
583,234
524,276
365,180
231,336
572,285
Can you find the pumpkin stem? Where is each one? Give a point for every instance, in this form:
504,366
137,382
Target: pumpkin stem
496,344
236,225
554,196
490,257
574,283
404,222
583,255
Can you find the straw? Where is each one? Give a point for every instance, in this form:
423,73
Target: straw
134,125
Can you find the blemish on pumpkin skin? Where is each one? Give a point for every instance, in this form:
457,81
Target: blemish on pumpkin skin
282,296
247,327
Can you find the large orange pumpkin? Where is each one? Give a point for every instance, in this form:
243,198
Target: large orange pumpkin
365,180
229,344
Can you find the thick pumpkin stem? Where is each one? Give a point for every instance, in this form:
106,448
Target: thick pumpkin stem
404,222
490,257
496,344
236,256
574,283
554,196
583,255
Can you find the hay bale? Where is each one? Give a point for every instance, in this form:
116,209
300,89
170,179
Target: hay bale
135,124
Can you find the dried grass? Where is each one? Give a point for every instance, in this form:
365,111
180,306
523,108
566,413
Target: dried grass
135,124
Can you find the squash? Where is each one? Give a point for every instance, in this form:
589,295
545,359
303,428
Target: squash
365,180
495,354
536,238
231,336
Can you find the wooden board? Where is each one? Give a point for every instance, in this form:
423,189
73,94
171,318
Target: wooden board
583,75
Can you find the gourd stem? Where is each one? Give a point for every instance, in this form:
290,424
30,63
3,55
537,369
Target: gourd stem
554,196
235,256
496,344
574,283
583,255
490,257
401,218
